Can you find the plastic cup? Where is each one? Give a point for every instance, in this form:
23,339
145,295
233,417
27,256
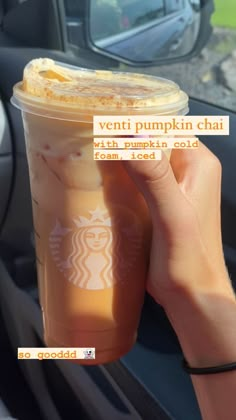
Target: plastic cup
91,224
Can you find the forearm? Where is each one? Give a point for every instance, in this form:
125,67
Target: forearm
206,328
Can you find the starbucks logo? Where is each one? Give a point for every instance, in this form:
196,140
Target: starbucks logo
96,252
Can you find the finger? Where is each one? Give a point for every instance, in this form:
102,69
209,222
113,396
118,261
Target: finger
194,165
156,180
198,173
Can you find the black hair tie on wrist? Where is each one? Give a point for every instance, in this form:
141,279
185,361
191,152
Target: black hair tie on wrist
208,370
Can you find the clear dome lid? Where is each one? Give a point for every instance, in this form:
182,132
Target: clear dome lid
62,91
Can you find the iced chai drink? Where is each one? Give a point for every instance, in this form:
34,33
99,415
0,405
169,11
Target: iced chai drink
91,224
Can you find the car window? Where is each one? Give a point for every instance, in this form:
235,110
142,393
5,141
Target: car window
209,77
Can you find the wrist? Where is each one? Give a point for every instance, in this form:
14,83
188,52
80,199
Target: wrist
205,324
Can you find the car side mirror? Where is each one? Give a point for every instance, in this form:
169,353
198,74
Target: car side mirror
150,32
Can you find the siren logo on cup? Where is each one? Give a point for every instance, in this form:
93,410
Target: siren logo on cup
95,260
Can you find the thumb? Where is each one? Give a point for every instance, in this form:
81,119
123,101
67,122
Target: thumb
157,183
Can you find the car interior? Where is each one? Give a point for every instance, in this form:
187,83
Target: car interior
148,382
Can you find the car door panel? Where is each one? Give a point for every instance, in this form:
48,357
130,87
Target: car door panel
6,164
